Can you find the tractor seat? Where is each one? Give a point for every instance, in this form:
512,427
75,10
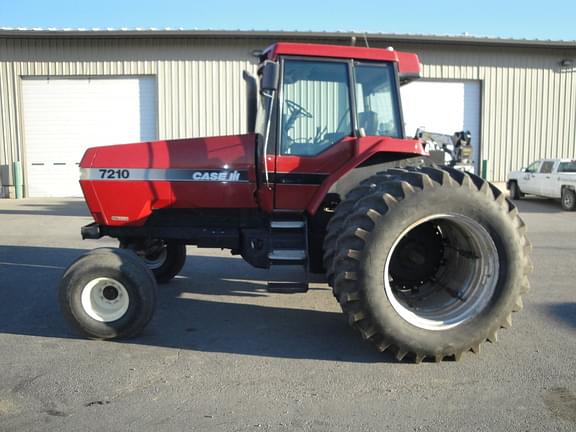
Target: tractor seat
368,120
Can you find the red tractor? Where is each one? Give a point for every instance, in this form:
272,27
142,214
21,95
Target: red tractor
426,261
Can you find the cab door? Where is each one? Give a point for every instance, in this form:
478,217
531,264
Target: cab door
327,108
528,182
315,136
549,186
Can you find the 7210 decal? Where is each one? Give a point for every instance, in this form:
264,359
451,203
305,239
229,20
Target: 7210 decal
114,173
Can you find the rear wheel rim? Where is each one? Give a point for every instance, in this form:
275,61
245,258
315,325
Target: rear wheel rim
460,280
105,299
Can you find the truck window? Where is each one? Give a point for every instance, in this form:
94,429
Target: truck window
377,100
533,167
546,167
316,106
567,167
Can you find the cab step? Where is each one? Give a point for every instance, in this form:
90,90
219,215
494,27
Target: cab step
287,287
288,256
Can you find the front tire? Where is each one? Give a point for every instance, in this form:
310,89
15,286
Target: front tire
164,259
515,192
108,294
568,199
431,264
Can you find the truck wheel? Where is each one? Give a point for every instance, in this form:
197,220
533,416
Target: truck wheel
568,199
515,192
108,294
164,259
432,264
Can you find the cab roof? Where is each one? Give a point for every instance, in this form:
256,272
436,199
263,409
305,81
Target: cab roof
408,63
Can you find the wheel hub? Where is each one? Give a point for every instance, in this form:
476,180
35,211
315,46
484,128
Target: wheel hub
441,271
110,293
417,259
105,299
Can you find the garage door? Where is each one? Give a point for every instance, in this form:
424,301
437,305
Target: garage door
443,107
64,117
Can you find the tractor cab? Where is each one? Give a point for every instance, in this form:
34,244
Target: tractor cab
320,109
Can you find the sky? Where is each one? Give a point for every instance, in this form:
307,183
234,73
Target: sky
527,19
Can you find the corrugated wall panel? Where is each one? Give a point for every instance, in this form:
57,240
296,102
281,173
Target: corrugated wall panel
528,102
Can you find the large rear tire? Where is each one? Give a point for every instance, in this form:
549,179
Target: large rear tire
431,264
336,224
108,294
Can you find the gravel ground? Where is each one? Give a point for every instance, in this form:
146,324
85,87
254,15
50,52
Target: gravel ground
221,354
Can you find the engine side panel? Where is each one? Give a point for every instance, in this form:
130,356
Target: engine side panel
123,184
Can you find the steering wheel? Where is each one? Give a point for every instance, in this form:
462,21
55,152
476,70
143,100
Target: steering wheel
297,109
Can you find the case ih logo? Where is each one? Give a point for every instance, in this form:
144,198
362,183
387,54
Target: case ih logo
220,176
159,174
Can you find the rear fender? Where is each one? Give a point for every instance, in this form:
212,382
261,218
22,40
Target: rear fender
372,155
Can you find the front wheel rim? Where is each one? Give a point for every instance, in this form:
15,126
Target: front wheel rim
105,299
568,199
462,280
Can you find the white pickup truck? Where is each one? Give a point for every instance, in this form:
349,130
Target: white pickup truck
551,178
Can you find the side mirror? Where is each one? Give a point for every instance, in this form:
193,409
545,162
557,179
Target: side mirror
270,76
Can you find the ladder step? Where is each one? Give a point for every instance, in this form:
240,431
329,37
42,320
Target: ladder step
290,255
287,224
287,287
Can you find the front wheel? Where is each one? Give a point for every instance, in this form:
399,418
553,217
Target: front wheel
164,259
515,192
108,294
431,264
568,199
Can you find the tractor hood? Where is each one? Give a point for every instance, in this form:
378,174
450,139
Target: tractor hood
130,181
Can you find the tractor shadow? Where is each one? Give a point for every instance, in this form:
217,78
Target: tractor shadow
564,313
45,207
219,304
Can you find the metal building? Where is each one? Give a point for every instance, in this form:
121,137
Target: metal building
62,91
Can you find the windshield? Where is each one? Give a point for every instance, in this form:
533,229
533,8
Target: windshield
315,106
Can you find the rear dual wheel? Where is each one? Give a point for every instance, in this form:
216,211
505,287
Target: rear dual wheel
430,263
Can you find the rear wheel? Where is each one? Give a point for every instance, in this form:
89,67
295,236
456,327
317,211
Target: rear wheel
108,294
164,259
568,199
431,264
336,224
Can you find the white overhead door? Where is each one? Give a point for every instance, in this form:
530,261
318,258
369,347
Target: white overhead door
64,117
443,107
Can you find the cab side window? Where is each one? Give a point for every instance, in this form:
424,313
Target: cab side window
315,106
377,100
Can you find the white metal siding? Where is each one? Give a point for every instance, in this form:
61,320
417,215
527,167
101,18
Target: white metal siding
64,117
528,108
